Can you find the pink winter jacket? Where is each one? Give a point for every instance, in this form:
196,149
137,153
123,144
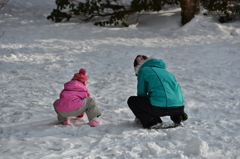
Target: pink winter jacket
71,96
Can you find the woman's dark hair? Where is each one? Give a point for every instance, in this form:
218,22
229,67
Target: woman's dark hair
135,63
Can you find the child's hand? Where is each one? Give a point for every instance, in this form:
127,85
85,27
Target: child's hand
88,94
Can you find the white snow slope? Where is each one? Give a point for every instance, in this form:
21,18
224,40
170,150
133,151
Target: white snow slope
38,56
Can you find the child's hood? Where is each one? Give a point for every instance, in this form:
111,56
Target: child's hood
74,85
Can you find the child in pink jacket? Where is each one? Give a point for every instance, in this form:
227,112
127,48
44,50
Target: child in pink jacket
75,100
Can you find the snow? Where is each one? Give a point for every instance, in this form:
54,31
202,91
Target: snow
39,56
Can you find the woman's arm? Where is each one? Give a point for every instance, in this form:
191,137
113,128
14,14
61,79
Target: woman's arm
141,86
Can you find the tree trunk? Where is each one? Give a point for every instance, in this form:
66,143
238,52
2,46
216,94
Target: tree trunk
189,9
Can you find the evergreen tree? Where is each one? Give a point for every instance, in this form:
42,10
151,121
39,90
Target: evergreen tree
116,12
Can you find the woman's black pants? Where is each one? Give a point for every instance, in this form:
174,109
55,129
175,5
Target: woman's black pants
150,115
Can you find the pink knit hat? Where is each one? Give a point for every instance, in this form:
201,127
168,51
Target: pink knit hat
81,76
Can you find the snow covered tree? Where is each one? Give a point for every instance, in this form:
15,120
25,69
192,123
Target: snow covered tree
227,10
116,12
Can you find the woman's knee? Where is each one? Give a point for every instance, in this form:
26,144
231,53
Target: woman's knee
130,101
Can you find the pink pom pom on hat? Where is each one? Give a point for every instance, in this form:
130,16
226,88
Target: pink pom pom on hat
83,71
81,76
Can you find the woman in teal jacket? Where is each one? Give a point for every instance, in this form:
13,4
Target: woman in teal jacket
158,94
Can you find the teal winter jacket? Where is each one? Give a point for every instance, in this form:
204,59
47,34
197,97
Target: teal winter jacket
159,85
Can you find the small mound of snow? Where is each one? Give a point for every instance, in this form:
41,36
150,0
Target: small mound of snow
25,78
153,148
196,146
178,134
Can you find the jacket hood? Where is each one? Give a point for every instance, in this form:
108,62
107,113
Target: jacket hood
151,62
74,86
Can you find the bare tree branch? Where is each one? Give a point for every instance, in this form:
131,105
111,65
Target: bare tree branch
2,35
3,3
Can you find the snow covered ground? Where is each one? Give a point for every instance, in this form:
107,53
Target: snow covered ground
38,56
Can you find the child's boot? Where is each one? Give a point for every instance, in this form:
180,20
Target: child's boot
94,122
66,122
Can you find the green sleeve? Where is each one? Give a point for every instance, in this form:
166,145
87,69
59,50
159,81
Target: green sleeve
141,86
